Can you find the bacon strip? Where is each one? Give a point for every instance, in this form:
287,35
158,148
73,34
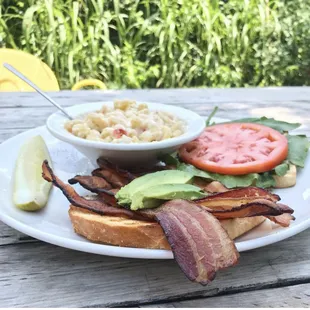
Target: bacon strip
133,172
111,200
255,208
92,183
237,197
283,220
244,202
246,192
106,165
199,243
248,209
111,176
96,205
97,185
109,197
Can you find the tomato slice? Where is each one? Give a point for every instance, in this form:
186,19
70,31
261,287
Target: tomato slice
236,149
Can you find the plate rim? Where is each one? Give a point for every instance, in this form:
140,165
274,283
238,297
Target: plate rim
141,253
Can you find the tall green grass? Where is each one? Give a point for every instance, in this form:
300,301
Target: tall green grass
164,43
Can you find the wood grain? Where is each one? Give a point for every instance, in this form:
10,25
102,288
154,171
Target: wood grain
9,235
176,96
37,274
30,117
43,275
296,296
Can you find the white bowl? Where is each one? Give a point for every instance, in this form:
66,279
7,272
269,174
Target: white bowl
126,154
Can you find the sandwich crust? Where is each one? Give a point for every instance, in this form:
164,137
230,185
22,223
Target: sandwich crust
125,232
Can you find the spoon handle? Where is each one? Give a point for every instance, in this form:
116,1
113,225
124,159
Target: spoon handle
26,80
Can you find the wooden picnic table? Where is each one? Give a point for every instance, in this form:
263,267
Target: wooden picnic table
37,274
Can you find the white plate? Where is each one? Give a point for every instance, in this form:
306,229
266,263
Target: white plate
52,224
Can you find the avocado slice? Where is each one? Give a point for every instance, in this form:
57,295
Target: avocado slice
153,196
125,194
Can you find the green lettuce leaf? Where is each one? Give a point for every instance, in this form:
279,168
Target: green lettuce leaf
231,181
170,159
282,169
208,121
265,180
269,122
298,147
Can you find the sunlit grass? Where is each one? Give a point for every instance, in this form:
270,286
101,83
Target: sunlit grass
164,43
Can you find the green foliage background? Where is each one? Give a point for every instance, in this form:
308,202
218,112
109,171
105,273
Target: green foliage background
164,43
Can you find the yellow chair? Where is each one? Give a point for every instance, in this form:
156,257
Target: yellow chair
88,82
36,70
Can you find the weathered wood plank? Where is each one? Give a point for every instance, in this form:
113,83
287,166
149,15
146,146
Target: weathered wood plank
194,95
296,296
9,235
16,118
43,275
30,117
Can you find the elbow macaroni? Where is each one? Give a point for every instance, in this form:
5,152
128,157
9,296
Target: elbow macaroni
127,122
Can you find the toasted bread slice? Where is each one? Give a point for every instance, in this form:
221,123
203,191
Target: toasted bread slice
139,234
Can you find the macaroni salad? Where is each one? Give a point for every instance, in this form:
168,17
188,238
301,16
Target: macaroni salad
126,122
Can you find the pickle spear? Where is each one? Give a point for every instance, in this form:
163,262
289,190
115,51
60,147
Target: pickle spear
31,191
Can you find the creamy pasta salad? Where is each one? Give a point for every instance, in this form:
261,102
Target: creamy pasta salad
126,122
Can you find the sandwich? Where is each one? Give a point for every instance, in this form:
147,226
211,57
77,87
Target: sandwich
199,227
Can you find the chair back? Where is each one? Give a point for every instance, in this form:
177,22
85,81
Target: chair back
31,66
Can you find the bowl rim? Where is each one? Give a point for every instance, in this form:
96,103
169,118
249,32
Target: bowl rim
195,125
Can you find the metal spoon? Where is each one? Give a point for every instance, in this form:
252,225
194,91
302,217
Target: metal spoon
35,87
